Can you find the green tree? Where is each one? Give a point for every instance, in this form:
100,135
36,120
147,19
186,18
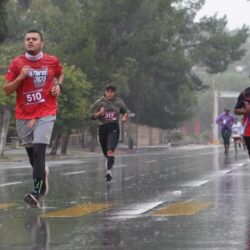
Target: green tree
154,38
8,101
164,42
25,15
8,51
217,47
3,18
147,48
73,107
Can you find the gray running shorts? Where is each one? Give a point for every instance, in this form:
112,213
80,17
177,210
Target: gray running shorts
39,133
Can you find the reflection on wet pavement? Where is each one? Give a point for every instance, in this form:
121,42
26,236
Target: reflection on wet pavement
174,199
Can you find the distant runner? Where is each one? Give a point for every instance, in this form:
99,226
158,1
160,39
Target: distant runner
225,120
237,130
107,110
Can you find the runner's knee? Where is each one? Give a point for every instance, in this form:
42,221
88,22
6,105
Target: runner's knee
110,153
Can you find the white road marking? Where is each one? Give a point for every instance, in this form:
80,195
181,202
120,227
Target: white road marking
194,183
223,172
153,161
129,178
120,166
25,164
186,156
135,210
73,173
10,167
205,153
10,184
211,177
235,165
177,192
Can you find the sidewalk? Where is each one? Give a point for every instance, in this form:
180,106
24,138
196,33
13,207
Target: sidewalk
19,154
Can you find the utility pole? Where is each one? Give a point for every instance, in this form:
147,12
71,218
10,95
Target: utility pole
215,132
215,109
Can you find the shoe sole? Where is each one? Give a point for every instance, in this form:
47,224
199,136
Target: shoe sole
32,201
108,177
46,181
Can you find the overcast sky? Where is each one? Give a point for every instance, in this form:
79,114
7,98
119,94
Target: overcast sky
237,11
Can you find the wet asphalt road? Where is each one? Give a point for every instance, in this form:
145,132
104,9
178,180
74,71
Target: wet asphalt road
184,198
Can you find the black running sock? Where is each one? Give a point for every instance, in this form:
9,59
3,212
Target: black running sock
111,161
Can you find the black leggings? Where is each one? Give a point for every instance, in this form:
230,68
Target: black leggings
226,134
109,136
37,156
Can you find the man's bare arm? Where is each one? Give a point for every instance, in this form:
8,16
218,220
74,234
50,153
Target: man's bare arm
57,88
10,87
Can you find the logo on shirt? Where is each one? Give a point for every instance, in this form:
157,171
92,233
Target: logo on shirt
39,76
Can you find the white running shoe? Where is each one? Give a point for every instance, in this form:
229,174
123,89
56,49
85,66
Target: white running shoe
32,199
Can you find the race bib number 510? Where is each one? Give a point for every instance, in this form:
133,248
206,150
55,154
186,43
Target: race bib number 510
34,97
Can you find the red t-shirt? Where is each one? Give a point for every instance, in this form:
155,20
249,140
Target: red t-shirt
246,128
34,99
243,97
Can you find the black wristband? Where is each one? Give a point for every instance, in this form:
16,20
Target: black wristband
60,86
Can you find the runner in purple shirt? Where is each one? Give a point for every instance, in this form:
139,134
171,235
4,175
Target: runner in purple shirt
225,120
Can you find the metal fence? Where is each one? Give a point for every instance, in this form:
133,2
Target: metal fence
4,123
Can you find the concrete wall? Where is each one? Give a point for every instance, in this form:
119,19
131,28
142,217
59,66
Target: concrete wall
140,135
144,135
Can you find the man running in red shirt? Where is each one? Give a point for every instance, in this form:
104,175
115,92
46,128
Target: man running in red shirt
242,107
37,79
